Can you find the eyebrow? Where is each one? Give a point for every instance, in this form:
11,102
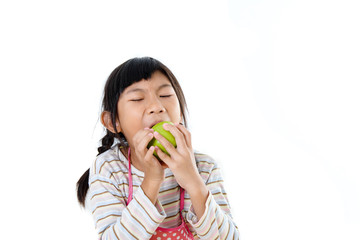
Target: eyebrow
142,90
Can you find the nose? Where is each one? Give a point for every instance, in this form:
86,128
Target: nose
155,106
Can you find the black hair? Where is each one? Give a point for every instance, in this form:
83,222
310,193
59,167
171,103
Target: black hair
131,71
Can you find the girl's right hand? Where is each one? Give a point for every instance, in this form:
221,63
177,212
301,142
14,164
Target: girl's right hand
151,167
153,170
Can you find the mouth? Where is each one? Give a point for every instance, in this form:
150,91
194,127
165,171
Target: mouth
156,122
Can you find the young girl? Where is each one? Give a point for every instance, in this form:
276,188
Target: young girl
133,195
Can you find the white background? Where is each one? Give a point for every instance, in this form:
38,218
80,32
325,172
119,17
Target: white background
273,96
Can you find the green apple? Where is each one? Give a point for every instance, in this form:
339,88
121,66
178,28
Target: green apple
166,134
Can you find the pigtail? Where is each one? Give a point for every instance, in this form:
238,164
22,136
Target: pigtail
83,183
82,187
106,142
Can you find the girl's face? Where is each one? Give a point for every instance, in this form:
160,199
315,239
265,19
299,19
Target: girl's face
145,103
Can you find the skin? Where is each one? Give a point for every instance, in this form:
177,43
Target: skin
138,107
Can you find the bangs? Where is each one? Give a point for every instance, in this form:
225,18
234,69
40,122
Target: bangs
137,69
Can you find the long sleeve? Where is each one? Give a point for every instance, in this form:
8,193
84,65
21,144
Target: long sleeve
216,222
107,200
114,220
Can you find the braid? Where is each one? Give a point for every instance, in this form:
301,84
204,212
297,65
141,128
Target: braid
106,142
83,183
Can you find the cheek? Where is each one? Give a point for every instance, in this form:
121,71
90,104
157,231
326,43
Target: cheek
130,128
130,121
174,110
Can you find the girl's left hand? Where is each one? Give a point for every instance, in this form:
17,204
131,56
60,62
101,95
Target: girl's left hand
181,160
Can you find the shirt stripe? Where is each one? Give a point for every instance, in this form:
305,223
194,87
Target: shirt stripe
114,218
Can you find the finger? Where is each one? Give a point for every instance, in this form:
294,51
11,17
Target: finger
186,134
179,137
143,144
143,137
149,155
164,157
166,144
164,165
141,134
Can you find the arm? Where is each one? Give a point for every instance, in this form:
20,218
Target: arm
210,210
113,219
216,222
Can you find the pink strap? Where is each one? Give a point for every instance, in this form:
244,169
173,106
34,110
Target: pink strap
182,194
130,178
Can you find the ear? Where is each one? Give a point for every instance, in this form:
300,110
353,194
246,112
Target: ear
106,121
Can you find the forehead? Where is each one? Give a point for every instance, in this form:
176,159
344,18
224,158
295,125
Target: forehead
157,81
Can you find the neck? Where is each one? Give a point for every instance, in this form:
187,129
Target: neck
134,160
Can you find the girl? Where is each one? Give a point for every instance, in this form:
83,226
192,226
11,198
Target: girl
133,195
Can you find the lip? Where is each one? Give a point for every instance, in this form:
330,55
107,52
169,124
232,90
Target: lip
155,122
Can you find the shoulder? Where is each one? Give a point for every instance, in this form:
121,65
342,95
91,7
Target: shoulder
205,163
209,171
109,162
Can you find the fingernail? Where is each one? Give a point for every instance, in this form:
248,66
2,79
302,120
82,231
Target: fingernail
150,134
146,128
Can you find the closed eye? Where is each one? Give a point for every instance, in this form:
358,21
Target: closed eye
140,99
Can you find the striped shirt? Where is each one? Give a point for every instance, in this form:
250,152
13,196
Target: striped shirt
115,218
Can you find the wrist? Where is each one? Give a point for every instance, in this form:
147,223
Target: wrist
151,188
197,188
198,193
